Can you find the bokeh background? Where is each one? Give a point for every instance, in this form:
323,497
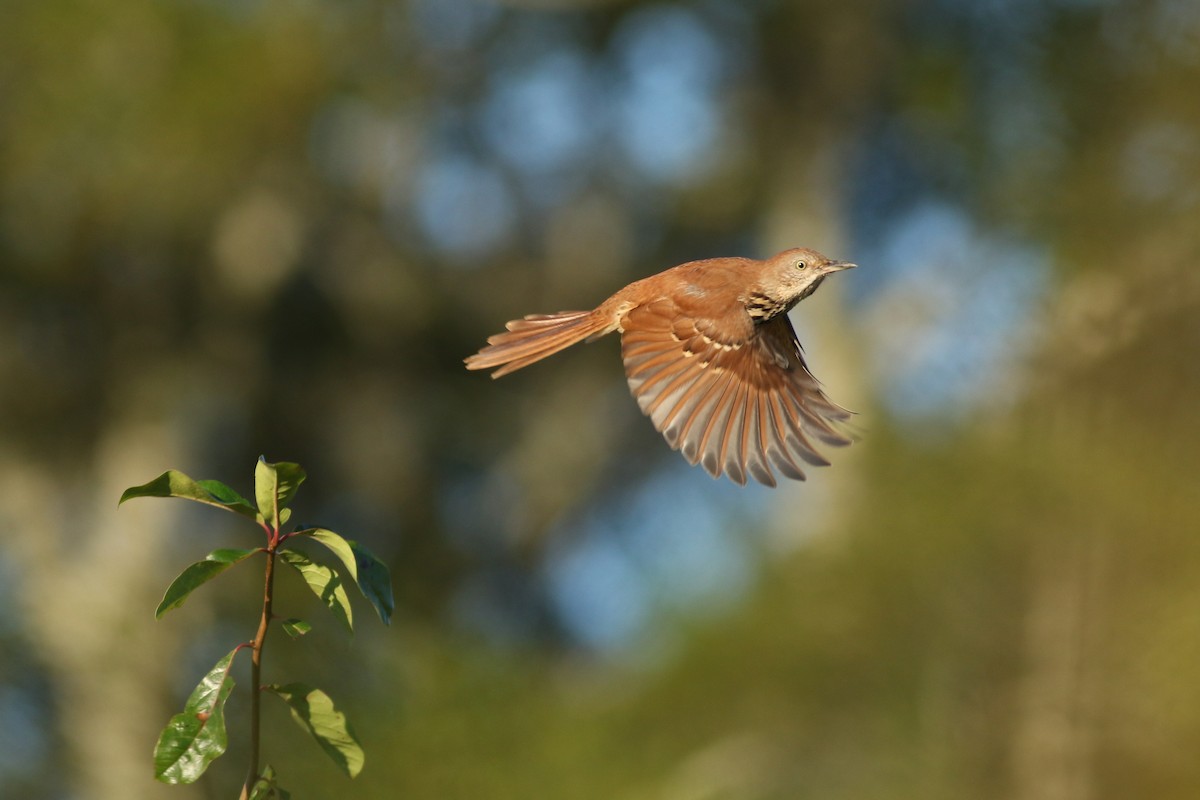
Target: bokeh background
241,227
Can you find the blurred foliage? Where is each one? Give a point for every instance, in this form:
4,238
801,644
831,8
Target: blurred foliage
338,201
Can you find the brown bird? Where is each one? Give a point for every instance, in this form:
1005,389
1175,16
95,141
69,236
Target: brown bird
711,358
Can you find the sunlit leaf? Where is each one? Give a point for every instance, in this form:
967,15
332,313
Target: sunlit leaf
290,477
274,487
266,787
229,497
295,628
194,738
369,573
374,581
314,711
266,490
340,548
173,483
325,583
201,572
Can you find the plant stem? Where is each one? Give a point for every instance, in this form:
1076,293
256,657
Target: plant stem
260,638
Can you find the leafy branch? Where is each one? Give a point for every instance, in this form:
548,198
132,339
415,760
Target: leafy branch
194,738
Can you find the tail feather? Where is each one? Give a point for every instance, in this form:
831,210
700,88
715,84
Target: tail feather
535,337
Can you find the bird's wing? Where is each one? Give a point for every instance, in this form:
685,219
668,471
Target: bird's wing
730,394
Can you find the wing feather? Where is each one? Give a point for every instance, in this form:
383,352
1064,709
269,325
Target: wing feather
779,449
732,395
732,435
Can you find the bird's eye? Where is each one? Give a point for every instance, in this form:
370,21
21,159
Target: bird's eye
801,265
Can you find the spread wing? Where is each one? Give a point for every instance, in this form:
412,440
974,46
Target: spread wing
733,395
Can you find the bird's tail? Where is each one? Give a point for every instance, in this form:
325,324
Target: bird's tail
535,337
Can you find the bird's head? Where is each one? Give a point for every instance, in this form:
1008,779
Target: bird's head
794,274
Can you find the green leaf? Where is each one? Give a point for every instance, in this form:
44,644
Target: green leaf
374,581
266,491
229,498
339,546
201,572
274,487
295,628
195,738
314,711
266,787
370,574
173,483
325,583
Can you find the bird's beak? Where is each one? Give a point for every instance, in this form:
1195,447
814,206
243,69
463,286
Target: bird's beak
838,266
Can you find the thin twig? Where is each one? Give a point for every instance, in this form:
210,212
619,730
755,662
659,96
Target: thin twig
260,638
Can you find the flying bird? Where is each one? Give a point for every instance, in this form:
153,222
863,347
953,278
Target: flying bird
711,357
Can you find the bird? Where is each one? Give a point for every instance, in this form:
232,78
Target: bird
711,358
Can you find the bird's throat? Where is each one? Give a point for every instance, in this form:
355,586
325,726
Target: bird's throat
762,307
